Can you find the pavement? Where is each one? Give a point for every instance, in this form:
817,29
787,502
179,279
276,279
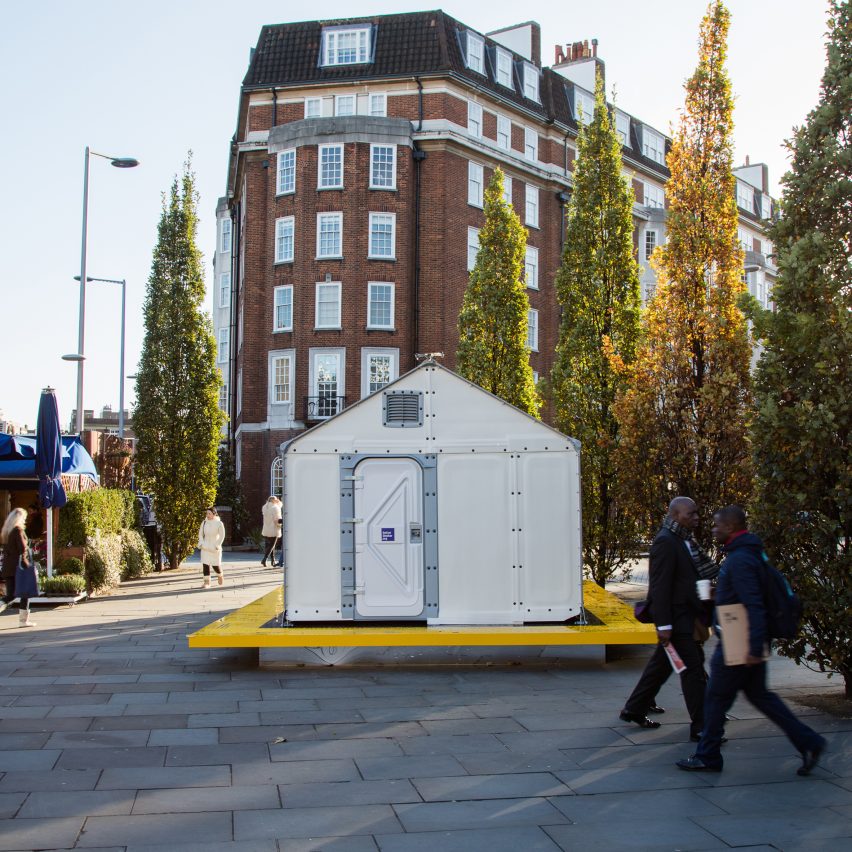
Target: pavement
114,735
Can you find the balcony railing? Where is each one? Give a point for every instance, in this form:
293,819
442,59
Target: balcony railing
323,407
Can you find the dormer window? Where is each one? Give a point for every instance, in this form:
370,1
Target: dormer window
584,106
475,52
345,45
503,63
653,145
745,196
622,127
531,82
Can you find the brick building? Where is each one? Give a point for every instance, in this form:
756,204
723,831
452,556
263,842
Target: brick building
354,198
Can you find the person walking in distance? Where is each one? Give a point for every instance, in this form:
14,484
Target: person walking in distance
675,606
211,534
742,579
271,528
16,549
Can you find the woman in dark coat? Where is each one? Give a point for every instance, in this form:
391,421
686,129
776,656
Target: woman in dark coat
15,547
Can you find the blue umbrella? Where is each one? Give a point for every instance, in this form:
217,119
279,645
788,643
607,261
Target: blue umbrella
49,453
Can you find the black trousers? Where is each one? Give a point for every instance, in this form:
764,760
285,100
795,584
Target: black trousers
9,580
269,548
657,672
206,569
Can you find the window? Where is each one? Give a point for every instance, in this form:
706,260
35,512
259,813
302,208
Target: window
650,243
380,305
223,397
378,368
284,239
531,209
531,82
532,330
475,52
530,144
474,119
622,127
475,184
225,235
329,235
383,167
653,145
224,289
280,385
344,104
313,107
654,196
504,133
222,348
379,104
327,383
531,268
239,402
765,206
287,171
744,239
472,247
383,236
276,477
345,45
283,309
745,196
584,106
330,167
507,190
328,305
504,67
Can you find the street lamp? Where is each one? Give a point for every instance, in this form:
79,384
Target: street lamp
119,163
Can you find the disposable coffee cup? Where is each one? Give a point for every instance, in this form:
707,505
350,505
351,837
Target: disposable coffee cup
703,589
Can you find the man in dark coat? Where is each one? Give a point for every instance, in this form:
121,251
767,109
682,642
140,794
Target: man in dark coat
741,580
675,605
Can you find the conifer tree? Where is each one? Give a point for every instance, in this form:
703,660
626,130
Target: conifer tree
685,418
598,289
177,418
803,430
493,350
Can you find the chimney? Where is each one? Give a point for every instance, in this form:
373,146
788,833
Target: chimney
579,63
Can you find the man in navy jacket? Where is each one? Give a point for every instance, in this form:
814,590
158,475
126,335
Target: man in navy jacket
741,580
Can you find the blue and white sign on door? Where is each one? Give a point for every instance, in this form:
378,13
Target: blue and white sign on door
388,534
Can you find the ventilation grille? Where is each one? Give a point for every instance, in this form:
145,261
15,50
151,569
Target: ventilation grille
402,409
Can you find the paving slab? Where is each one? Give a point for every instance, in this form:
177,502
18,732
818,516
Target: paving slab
10,804
361,843
377,768
163,829
214,799
103,758
383,792
321,822
781,828
23,834
443,816
155,777
510,839
13,760
242,846
90,802
505,786
641,835
295,772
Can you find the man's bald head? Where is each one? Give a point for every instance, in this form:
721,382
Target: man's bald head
684,511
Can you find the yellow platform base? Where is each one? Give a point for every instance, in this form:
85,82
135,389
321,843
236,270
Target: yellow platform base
244,628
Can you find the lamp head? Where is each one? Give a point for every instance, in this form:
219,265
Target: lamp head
124,162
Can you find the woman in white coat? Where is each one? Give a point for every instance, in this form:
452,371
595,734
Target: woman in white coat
271,528
211,534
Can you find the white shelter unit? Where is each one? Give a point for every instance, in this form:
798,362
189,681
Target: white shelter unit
432,501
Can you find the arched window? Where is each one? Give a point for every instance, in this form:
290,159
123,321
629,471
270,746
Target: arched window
277,478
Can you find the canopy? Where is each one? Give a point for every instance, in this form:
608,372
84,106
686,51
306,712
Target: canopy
18,458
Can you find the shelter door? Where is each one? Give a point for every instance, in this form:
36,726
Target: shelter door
388,538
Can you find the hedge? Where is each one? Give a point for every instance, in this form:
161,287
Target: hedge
135,556
65,584
103,562
69,565
106,509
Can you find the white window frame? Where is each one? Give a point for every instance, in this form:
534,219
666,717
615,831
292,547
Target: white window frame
284,289
371,249
382,98
531,144
340,353
622,127
475,59
339,99
531,82
223,396
654,196
282,225
310,104
531,202
370,324
275,356
532,330
373,184
338,217
744,238
507,189
321,175
474,119
475,184
745,196
503,68
224,289
472,247
584,106
225,236
367,354
654,237
331,286
504,130
653,145
282,187
331,50
531,268
765,206
276,477
223,345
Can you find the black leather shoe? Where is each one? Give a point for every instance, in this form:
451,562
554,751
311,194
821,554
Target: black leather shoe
263,565
655,708
696,764
641,721
810,758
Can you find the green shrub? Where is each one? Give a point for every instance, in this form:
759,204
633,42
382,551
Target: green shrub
103,562
256,537
106,509
64,584
69,565
135,556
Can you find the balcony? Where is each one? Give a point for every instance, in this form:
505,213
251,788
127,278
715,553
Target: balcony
322,407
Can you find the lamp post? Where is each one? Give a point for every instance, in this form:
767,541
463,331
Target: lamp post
119,163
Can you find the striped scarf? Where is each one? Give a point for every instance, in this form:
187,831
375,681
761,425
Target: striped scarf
706,567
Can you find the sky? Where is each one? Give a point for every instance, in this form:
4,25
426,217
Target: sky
157,79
